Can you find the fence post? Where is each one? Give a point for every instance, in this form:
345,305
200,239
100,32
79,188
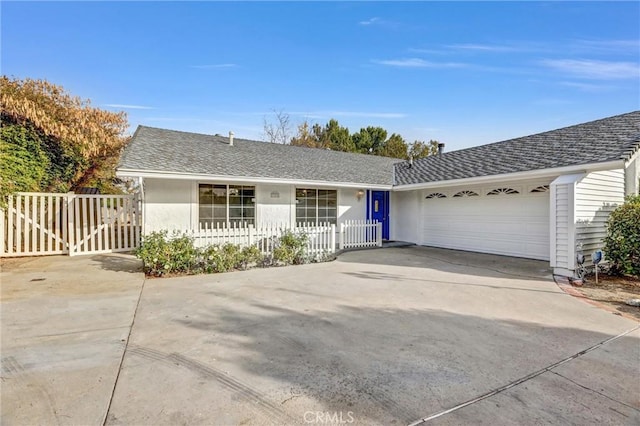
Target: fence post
249,236
2,234
379,233
71,218
333,238
342,236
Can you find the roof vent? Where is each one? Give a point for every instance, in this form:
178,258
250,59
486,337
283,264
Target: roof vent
440,148
231,138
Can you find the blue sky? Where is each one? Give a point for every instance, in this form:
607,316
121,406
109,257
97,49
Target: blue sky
461,73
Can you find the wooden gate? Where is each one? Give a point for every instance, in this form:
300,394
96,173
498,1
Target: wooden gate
36,224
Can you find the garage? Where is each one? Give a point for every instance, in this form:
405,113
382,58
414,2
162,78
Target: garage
510,220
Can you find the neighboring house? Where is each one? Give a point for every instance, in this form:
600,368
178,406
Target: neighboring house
536,197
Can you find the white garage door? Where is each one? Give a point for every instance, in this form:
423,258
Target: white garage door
512,224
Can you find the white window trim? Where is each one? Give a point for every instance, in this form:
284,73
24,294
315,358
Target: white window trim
295,204
196,192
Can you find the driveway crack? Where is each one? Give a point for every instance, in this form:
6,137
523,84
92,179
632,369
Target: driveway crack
522,379
595,391
124,351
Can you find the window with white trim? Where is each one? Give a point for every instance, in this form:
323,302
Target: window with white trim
316,205
224,205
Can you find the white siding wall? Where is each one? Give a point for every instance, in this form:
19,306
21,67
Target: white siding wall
405,216
596,196
168,204
560,219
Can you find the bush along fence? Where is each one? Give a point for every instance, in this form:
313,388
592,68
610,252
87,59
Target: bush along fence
222,249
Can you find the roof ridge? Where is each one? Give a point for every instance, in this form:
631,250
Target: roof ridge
252,141
606,139
530,135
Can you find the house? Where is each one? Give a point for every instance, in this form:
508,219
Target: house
543,196
193,180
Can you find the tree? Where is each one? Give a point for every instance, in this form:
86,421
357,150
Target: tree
76,143
330,136
395,147
336,137
419,149
305,136
278,131
370,140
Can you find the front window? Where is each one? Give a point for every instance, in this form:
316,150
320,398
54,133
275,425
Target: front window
316,206
224,205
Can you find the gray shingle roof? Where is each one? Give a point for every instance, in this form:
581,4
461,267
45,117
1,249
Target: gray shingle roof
153,149
608,139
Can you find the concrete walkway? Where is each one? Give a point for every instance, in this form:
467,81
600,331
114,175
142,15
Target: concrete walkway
385,336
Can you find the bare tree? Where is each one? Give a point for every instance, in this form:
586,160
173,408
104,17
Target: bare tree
277,130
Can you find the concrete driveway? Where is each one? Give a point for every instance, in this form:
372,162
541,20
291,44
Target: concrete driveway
387,336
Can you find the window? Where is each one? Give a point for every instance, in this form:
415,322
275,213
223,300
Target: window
541,188
435,195
223,205
501,191
466,193
316,205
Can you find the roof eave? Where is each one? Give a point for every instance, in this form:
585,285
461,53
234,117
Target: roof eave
123,172
530,174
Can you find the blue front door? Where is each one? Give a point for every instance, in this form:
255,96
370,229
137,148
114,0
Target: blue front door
380,210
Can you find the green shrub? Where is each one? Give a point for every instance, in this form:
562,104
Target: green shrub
184,255
161,254
250,256
622,243
228,257
290,248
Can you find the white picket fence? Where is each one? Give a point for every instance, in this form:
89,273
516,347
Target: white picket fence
36,224
321,239
360,234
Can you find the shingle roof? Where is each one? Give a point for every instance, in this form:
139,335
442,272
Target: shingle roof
153,149
608,139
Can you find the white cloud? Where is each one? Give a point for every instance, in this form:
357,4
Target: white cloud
127,106
593,69
214,66
483,47
586,87
428,51
369,21
419,63
608,46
